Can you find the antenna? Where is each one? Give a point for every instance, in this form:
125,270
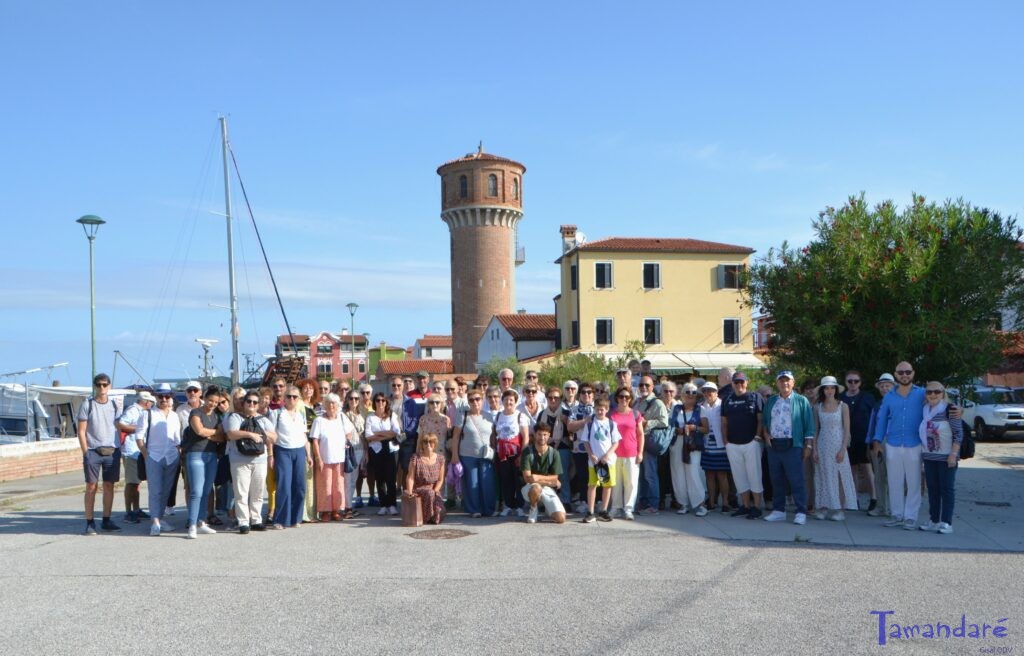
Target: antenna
206,344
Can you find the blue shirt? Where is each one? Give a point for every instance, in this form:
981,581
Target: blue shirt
899,418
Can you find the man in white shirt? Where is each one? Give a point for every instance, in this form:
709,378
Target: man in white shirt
128,423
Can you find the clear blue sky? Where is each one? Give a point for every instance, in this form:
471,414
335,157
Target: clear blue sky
735,123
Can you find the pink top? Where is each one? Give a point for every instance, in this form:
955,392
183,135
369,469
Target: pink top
626,424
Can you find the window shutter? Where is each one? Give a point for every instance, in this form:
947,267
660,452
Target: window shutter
721,276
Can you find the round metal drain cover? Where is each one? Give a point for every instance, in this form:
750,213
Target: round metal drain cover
440,534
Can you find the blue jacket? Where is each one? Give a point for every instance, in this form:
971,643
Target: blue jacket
803,417
899,418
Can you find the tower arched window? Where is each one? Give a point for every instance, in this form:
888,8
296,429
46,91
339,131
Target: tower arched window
492,185
515,188
463,187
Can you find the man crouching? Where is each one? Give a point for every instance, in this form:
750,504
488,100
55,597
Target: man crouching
542,469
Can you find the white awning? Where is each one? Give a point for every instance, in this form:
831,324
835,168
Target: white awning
703,361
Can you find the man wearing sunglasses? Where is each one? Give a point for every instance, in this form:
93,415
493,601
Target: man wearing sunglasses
97,437
899,419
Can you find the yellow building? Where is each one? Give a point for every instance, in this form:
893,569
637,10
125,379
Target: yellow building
679,296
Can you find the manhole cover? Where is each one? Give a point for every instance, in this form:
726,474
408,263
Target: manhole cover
440,534
997,504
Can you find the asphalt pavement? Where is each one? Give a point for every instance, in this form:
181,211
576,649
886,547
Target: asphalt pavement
666,584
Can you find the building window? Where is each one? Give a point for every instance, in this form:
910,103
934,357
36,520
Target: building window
573,277
344,366
575,330
463,187
652,275
324,370
323,349
730,276
603,275
362,366
492,185
603,331
515,188
731,331
652,331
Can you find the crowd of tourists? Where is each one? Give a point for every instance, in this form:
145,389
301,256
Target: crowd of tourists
641,446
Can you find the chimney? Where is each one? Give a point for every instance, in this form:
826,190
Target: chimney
568,237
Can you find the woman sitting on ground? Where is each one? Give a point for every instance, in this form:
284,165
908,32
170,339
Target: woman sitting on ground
426,479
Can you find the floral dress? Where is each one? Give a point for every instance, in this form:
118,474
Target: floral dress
828,474
425,478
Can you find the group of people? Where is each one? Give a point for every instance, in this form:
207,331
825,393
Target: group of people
498,449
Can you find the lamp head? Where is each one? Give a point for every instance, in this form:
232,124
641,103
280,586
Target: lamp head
90,224
352,307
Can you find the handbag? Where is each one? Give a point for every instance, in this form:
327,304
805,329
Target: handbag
350,461
657,440
142,468
412,512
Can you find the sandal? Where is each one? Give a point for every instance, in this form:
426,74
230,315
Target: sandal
214,521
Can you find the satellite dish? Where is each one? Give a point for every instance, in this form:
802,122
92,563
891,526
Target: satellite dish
581,238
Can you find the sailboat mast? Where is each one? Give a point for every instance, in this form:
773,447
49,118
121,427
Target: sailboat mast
231,255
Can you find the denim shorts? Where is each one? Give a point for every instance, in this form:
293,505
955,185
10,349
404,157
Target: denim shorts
94,464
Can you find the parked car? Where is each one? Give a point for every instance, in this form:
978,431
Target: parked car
992,411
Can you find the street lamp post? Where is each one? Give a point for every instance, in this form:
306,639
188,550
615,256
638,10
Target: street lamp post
352,307
91,225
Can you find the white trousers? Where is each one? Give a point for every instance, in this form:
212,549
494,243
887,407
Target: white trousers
745,463
904,469
687,479
627,484
249,481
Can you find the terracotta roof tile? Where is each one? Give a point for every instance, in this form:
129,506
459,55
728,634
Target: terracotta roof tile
410,367
661,244
435,341
478,156
529,326
287,341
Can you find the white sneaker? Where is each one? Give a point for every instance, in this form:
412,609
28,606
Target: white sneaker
191,533
154,529
169,510
894,522
532,517
821,514
505,512
382,511
909,525
683,511
392,510
773,516
628,515
205,529
929,526
838,517
800,519
945,528
702,511
520,513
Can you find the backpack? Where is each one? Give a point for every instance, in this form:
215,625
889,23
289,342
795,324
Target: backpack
248,446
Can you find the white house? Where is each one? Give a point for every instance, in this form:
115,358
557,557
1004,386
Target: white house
519,335
433,347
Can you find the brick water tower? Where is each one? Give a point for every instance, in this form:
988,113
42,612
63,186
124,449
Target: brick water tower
482,203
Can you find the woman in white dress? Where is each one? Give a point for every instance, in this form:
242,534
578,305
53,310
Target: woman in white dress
833,479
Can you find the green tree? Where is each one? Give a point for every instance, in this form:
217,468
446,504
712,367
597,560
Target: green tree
496,364
583,367
878,285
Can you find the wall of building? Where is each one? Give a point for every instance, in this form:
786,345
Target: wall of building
689,303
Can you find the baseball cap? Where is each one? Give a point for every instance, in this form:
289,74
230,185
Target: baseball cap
194,384
739,375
